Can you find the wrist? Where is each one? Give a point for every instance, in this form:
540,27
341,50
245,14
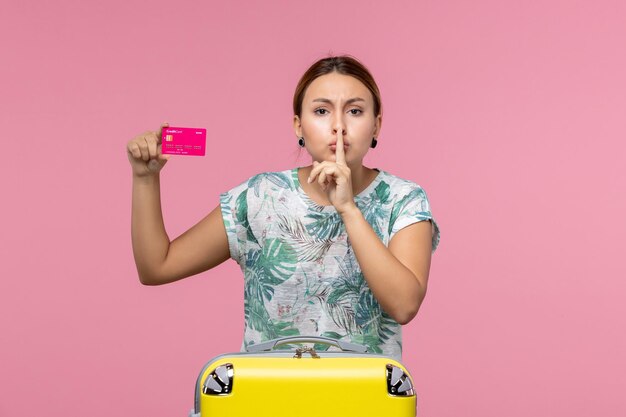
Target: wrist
146,179
349,212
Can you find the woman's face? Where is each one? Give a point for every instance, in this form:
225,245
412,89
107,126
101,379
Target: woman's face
336,102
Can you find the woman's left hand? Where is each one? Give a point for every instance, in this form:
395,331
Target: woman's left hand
335,179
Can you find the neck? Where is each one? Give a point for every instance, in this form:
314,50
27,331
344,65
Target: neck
361,178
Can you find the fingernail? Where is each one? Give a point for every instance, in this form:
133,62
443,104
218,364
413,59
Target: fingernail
308,180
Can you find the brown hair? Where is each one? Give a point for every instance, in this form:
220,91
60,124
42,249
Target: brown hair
343,64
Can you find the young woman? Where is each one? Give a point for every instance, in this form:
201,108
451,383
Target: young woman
332,249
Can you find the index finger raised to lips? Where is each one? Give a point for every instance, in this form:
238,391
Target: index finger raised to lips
340,156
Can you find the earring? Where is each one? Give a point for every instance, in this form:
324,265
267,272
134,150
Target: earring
374,142
301,142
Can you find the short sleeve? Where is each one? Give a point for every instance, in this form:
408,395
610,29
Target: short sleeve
413,207
234,207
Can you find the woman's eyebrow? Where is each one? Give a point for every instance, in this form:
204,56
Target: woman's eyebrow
350,101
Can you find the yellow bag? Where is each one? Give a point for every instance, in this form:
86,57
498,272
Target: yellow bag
263,382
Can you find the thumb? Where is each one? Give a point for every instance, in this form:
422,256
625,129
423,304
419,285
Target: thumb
162,160
155,165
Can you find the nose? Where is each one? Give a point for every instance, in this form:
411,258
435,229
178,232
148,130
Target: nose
339,125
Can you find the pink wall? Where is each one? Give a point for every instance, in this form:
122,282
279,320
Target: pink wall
509,113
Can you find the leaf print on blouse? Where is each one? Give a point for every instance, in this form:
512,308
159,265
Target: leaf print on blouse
278,178
241,211
375,207
254,311
326,226
415,194
225,200
265,269
352,307
376,325
280,329
270,266
307,247
257,318
339,299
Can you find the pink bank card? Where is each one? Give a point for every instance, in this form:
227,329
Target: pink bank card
183,141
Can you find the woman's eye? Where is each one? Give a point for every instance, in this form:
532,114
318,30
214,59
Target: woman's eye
318,111
358,111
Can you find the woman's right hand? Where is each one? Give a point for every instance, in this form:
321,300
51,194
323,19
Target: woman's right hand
144,153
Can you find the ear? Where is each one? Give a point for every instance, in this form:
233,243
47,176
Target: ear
377,124
297,126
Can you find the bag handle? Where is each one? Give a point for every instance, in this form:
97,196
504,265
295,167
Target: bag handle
269,345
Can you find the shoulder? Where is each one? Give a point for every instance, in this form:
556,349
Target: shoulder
401,187
276,180
263,182
411,205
